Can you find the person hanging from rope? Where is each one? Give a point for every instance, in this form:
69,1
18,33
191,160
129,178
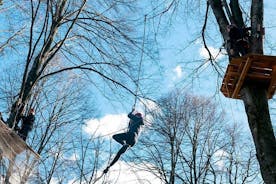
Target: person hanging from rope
238,40
27,124
129,138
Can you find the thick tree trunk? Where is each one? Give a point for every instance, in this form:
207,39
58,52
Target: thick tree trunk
256,106
30,78
255,101
237,13
19,106
222,21
254,95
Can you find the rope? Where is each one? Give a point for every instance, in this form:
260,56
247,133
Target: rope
140,63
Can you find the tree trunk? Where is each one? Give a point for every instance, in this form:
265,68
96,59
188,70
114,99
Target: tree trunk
254,95
27,88
256,106
255,101
30,79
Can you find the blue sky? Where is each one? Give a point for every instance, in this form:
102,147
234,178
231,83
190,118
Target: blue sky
179,54
175,52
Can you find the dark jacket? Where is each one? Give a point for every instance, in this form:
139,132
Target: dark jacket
135,123
235,33
28,121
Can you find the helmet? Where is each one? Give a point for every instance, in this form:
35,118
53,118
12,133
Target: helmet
138,114
32,111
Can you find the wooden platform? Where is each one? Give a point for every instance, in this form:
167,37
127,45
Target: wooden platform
253,69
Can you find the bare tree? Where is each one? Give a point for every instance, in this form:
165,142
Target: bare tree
58,135
85,40
240,163
92,40
187,144
254,95
61,110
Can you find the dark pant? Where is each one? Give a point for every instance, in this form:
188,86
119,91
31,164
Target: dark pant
118,155
240,48
23,132
125,138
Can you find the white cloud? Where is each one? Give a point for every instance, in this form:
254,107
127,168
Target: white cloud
131,173
72,181
107,125
220,165
220,157
215,52
126,172
173,75
54,181
221,154
114,123
151,107
73,157
148,104
178,71
75,181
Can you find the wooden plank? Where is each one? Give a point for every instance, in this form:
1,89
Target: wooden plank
238,61
265,76
252,67
262,64
227,88
265,58
227,78
226,85
229,84
272,85
242,77
252,76
256,58
233,67
260,72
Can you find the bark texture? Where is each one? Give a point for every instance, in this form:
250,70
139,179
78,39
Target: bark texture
256,106
254,95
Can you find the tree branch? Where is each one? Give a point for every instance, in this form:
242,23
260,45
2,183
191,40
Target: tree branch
220,17
10,39
257,10
203,32
81,67
237,13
